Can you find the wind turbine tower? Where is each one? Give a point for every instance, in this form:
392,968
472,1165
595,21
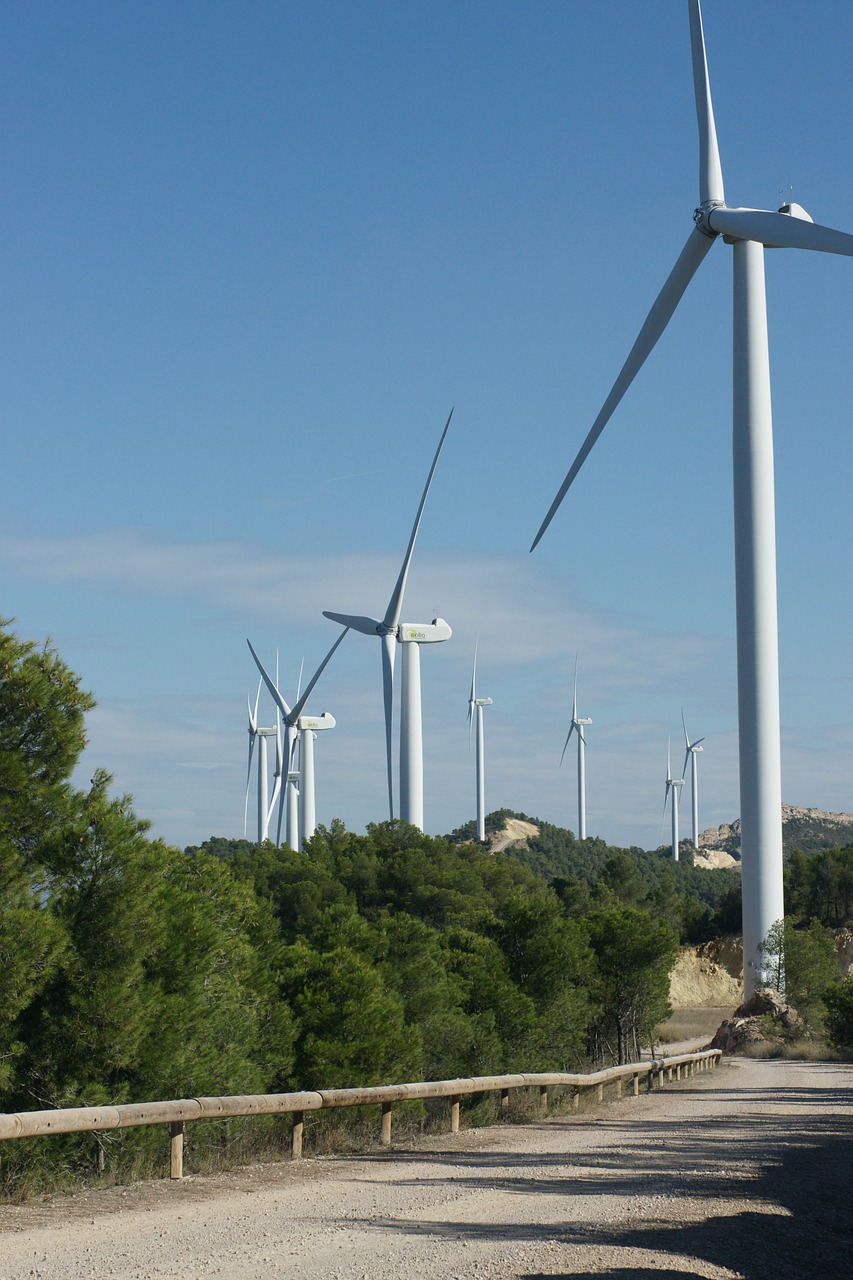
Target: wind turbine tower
411,635
673,786
748,231
266,805
309,727
475,714
577,726
691,751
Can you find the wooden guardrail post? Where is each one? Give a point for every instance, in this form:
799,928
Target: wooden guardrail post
454,1113
385,1129
176,1149
296,1138
635,1082
543,1100
600,1092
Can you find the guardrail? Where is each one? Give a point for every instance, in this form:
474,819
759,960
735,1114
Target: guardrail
179,1112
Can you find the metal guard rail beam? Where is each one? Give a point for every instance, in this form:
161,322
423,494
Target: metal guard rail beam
176,1113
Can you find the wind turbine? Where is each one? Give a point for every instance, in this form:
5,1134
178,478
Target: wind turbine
309,727
291,716
672,785
475,712
266,805
411,635
748,231
691,750
577,726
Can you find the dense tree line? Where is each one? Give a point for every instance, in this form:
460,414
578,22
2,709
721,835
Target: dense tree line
130,970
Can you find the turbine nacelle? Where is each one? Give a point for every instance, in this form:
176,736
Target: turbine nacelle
324,721
424,632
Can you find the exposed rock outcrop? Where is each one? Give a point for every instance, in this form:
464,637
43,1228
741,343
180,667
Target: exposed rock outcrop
807,829
515,834
762,1018
709,976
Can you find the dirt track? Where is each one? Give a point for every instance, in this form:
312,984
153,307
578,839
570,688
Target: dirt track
741,1172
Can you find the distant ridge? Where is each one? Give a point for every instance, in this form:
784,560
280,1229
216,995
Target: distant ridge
808,829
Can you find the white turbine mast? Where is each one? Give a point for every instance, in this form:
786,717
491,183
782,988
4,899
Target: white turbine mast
673,786
748,231
266,804
411,635
691,751
309,727
577,726
475,716
291,717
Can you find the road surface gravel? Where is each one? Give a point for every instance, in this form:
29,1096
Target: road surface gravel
739,1172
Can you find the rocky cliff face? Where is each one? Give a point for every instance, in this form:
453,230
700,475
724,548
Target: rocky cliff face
709,976
806,829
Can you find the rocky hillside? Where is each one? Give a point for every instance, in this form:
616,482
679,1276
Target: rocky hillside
806,829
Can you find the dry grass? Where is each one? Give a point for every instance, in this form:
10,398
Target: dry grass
690,1024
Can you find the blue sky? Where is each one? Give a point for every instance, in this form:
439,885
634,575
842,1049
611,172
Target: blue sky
252,254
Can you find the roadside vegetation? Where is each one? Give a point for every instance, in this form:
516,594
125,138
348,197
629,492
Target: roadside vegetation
133,971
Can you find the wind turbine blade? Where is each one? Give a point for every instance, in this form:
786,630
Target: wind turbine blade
253,715
686,761
279,700
710,169
572,729
389,647
248,784
276,792
299,681
780,231
684,727
356,622
689,261
575,693
297,709
395,604
473,694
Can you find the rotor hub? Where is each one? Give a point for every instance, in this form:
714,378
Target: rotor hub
702,214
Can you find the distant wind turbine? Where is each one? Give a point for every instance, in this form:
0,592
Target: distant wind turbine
290,716
266,804
691,750
748,231
309,727
673,786
411,635
475,716
577,726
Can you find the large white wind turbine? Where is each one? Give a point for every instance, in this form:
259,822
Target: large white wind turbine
691,751
266,804
577,726
748,231
411,635
291,716
475,715
673,786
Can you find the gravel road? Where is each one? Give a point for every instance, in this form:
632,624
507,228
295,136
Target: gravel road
739,1172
